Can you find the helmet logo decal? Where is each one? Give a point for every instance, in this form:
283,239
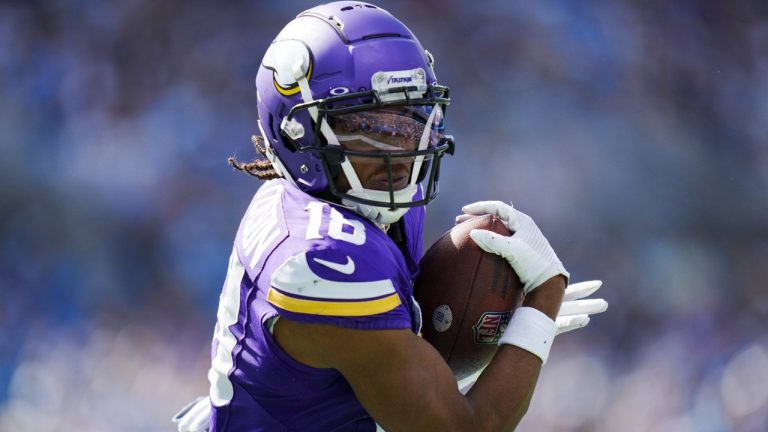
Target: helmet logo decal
338,91
389,84
281,57
399,80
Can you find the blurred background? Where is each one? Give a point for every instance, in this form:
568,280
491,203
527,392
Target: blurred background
634,132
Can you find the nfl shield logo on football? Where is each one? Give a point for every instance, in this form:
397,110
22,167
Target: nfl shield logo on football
490,326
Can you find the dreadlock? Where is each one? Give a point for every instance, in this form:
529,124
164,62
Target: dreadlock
259,168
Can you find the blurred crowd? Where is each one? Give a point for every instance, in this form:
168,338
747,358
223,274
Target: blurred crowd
634,132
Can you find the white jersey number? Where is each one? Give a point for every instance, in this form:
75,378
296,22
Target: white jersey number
260,231
221,390
354,233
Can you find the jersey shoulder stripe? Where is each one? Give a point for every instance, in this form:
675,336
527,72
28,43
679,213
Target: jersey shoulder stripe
333,308
296,277
296,287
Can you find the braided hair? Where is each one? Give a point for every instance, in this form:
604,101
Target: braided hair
260,168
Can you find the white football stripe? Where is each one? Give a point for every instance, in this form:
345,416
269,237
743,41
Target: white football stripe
295,277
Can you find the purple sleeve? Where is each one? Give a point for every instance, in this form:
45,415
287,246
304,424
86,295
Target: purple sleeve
351,275
333,286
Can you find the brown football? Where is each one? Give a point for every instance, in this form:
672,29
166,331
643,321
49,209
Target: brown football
467,296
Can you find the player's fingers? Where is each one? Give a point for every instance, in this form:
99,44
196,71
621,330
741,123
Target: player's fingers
483,207
566,324
496,208
581,289
462,218
503,211
589,306
491,242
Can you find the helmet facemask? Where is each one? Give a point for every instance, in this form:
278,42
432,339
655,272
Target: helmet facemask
380,146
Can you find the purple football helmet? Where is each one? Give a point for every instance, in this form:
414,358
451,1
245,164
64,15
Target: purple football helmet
344,83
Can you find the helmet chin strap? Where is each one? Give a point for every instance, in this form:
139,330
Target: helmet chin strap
377,214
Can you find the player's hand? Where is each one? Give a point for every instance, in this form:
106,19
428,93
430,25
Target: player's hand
527,250
195,417
574,313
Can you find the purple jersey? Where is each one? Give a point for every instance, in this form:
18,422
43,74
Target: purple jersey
311,261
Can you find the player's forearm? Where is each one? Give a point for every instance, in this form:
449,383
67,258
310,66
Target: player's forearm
503,391
548,297
514,371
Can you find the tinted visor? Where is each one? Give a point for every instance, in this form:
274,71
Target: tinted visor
390,129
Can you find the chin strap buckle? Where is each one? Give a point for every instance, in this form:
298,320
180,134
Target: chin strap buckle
292,128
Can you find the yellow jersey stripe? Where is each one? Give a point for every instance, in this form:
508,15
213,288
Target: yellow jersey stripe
319,307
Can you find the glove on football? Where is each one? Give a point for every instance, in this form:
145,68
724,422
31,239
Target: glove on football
527,250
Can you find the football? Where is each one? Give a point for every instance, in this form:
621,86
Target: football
466,296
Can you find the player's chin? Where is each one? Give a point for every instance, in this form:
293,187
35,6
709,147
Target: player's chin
398,182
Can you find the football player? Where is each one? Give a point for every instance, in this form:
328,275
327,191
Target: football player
317,328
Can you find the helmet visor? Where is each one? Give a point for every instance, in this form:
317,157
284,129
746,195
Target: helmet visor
388,147
390,129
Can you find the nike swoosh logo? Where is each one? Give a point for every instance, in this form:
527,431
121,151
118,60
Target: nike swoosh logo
347,268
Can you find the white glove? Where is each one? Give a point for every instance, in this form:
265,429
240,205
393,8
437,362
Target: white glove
527,250
195,417
574,313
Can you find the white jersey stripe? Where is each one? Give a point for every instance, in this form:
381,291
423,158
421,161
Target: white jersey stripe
295,277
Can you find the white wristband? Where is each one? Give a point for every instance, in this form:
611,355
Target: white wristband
531,330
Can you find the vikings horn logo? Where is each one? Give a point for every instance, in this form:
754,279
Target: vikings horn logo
288,60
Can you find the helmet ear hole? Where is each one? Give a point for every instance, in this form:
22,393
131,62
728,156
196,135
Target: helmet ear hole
288,142
271,123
